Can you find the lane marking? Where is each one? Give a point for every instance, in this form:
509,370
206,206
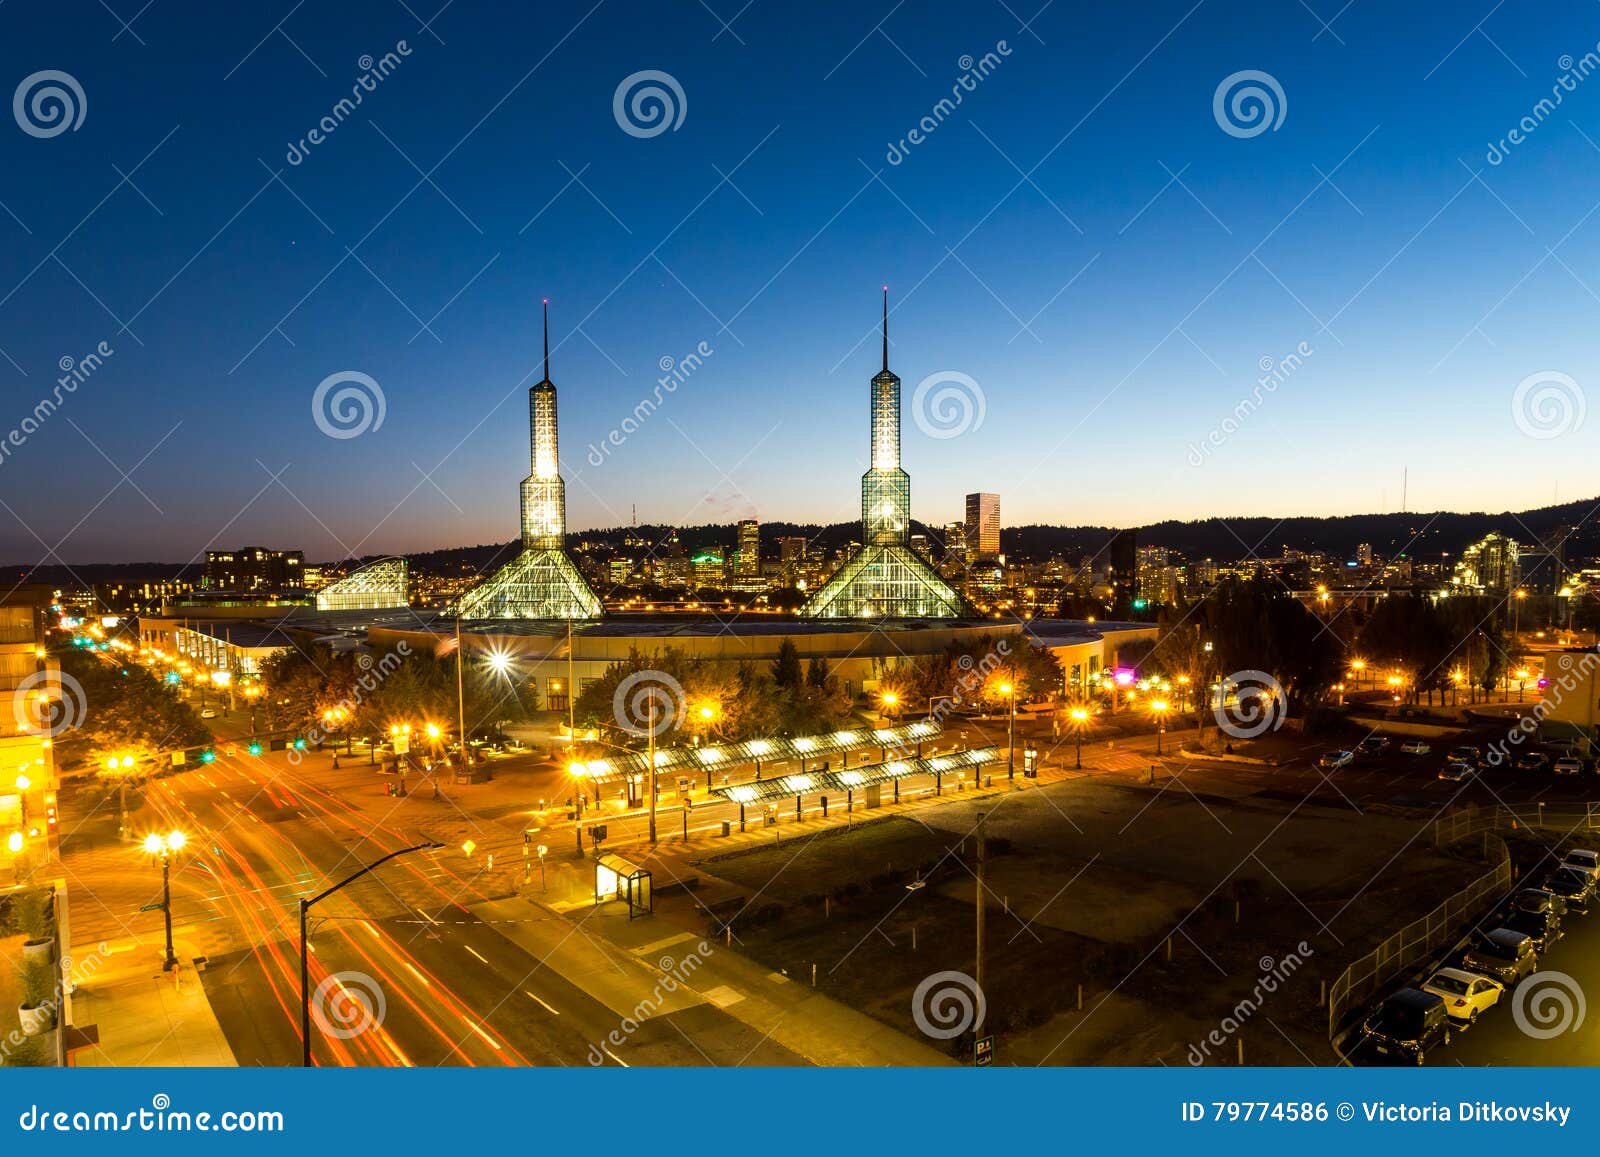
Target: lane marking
476,953
615,1057
474,1027
548,1006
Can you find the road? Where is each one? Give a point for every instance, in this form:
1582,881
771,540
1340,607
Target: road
403,941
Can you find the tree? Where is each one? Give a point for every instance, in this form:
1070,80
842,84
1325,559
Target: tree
127,711
786,667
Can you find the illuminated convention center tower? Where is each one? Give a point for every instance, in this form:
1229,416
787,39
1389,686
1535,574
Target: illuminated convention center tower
541,582
885,579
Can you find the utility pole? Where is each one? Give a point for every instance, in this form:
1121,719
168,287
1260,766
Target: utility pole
461,699
650,778
979,969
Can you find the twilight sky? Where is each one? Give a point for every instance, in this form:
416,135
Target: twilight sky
1095,243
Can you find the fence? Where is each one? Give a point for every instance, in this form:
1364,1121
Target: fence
1421,938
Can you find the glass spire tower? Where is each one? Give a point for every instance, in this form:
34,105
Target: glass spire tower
885,578
541,582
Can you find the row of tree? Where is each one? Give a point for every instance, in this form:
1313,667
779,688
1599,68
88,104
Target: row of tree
1256,624
125,710
339,694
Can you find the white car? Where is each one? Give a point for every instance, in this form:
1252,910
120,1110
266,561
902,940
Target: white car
1569,765
1416,747
1465,994
1583,860
208,714
1334,760
1457,772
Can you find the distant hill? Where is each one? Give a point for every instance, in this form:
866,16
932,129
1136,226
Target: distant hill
1419,536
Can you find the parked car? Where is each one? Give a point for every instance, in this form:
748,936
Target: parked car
1543,927
1505,954
1539,900
1573,886
1373,745
1584,861
1466,753
1416,747
1533,761
1465,994
1457,772
1407,1024
1334,760
208,713
1569,765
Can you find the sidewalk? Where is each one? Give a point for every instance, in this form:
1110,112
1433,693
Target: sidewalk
144,1017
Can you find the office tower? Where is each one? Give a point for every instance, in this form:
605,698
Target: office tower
983,527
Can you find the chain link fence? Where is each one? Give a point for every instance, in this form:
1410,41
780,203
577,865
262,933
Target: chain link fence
1423,937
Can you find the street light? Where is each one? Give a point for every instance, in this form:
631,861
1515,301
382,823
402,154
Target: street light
1010,693
165,846
1158,708
890,699
305,959
1080,718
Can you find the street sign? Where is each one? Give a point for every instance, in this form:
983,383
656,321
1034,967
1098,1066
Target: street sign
983,1052
402,744
155,907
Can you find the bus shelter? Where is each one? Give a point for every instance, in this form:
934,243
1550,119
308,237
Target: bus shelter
617,878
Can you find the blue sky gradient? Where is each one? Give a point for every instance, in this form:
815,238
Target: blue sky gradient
1079,237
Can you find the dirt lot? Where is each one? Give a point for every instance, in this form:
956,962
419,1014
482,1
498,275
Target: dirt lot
1129,892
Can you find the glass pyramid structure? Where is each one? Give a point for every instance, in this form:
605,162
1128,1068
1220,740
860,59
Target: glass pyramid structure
377,586
885,579
541,582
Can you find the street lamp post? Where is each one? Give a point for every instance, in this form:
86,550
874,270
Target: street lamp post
1158,708
650,776
305,958
164,846
1080,717
1010,692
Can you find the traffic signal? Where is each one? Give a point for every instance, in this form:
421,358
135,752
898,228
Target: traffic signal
208,756
299,744
255,749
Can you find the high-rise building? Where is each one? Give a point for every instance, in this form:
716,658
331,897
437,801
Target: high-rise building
983,527
1490,564
254,568
1364,554
955,543
541,582
749,566
885,578
1122,567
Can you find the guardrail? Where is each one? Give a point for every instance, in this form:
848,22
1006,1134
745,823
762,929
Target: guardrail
1422,937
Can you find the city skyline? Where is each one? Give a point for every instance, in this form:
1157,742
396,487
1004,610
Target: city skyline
1104,292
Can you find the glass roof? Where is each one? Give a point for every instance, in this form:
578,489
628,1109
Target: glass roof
620,764
854,778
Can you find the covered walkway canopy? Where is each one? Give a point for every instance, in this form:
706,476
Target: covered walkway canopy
850,779
719,755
